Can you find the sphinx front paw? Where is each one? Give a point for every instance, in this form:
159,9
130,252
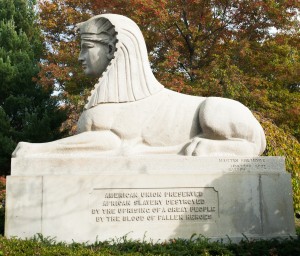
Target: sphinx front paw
22,149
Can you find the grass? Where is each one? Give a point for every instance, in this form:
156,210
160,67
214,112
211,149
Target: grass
197,245
297,225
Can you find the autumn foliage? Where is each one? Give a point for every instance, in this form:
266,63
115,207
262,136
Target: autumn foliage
245,50
222,48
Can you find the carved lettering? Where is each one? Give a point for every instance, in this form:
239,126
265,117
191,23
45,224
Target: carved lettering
148,202
159,204
243,164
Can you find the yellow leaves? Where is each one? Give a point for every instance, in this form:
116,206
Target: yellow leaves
281,143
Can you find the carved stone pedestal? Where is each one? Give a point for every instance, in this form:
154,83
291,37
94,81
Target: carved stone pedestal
154,198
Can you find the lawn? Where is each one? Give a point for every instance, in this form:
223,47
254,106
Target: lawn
196,245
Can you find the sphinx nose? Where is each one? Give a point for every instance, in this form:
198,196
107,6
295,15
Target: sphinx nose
80,58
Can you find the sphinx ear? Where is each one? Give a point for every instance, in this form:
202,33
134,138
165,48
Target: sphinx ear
111,51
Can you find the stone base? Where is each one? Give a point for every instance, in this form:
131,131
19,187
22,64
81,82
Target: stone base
153,198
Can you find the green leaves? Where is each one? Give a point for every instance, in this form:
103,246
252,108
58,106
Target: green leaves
29,112
282,143
6,142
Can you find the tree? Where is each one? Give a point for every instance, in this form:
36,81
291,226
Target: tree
28,112
7,144
223,48
247,50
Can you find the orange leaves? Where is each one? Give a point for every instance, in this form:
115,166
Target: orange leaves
219,47
2,190
59,17
52,73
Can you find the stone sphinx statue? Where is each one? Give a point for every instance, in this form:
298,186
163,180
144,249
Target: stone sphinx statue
130,113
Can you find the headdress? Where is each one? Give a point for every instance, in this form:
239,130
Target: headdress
96,29
129,76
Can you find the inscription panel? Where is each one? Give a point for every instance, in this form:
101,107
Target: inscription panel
239,165
154,205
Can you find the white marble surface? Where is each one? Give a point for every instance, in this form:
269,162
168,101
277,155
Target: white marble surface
158,202
23,205
95,164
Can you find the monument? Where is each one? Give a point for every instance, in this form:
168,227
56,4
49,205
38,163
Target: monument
147,161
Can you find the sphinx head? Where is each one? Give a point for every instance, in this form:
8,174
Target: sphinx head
114,50
98,45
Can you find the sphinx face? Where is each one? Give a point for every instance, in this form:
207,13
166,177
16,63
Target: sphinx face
121,63
95,57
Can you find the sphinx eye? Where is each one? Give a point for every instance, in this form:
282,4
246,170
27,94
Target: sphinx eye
88,45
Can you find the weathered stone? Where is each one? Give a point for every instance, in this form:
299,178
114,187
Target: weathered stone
154,197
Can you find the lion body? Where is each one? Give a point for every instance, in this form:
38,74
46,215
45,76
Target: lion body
171,120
